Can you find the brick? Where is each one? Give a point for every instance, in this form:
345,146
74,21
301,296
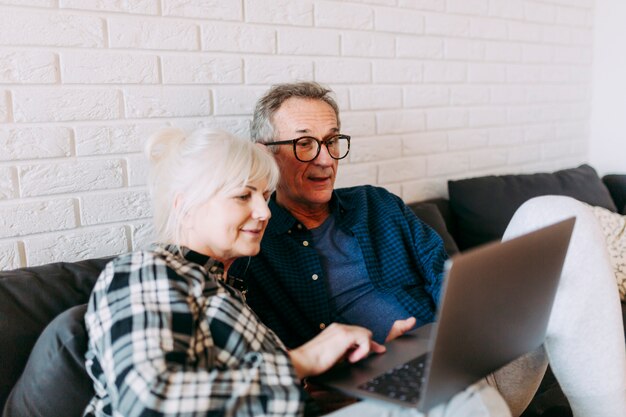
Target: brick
5,106
556,35
375,97
397,71
138,167
142,33
25,67
508,9
526,32
236,100
282,12
332,14
524,154
76,246
204,9
343,71
143,235
201,69
380,2
539,133
555,74
428,5
487,116
9,256
426,96
428,48
50,29
399,20
350,175
537,53
367,44
447,164
488,158
149,102
463,95
506,136
238,126
488,29
113,139
342,97
372,149
274,70
358,124
578,36
36,3
149,7
447,25
580,75
460,140
503,52
299,41
70,177
446,118
573,129
34,143
238,38
572,55
423,189
541,13
53,104
445,72
37,217
400,121
573,17
8,183
524,114
479,7
406,169
424,143
541,94
523,74
463,49
79,67
487,73
115,207
507,95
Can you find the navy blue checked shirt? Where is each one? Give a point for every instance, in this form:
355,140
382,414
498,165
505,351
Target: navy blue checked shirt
285,283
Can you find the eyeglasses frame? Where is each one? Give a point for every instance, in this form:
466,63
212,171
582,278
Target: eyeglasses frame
319,145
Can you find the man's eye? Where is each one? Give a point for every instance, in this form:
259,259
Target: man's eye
305,143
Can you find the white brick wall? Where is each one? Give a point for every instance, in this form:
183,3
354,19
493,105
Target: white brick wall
429,90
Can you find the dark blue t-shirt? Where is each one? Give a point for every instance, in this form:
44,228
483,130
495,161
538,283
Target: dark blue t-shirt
353,298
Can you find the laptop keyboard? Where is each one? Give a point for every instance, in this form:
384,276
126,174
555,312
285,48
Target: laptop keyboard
404,382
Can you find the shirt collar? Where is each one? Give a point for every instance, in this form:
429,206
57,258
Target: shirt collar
282,220
212,266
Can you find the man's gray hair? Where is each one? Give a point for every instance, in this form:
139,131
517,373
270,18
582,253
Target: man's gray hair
262,129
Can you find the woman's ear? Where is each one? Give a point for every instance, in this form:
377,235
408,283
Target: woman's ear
178,208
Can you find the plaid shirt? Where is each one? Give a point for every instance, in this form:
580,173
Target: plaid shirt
286,285
168,338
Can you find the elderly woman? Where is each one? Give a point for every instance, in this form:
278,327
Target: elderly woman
167,334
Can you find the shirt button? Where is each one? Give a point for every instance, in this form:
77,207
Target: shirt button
305,243
322,326
315,277
299,226
289,231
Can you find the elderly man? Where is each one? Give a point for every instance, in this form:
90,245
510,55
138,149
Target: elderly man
360,256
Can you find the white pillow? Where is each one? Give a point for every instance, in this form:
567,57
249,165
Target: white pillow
614,228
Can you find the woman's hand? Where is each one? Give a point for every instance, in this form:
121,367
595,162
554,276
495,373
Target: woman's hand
327,348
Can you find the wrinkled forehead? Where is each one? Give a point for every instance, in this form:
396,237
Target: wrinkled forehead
299,116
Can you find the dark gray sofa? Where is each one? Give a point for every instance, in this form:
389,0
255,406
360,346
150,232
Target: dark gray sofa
42,373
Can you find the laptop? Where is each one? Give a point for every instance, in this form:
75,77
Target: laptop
495,307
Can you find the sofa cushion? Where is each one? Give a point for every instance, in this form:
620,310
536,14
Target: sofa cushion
29,299
429,213
483,206
617,187
55,382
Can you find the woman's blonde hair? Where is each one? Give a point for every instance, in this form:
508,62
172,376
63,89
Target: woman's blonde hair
195,167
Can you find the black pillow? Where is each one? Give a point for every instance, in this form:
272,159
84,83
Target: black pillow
430,214
55,382
617,187
484,206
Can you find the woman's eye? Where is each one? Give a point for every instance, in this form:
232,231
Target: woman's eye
244,197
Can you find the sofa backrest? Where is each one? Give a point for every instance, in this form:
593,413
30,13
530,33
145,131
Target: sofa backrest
30,298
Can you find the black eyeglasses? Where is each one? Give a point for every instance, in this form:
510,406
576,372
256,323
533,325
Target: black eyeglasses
308,148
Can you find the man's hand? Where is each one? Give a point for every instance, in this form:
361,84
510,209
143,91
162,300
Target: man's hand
327,348
400,327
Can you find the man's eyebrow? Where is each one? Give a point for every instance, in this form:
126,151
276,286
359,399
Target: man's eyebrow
333,130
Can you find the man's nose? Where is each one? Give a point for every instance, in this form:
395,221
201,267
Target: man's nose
324,157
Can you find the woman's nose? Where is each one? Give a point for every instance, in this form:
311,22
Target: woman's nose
261,209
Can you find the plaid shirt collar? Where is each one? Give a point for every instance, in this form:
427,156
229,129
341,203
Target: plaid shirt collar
214,268
282,220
